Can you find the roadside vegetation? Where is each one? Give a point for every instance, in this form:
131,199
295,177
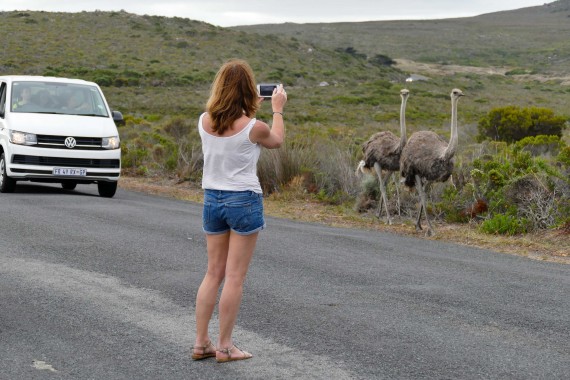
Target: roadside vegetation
513,161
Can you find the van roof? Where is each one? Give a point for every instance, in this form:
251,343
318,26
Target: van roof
38,78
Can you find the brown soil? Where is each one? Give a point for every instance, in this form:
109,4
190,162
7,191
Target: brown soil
434,69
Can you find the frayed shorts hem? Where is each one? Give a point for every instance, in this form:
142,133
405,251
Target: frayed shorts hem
237,232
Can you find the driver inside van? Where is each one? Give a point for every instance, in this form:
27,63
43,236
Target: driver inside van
23,99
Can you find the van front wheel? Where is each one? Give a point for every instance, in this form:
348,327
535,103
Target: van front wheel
107,189
7,184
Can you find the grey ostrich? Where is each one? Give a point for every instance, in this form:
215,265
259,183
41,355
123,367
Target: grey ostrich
428,158
382,152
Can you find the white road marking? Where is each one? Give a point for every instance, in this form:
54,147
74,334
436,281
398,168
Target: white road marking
150,310
41,365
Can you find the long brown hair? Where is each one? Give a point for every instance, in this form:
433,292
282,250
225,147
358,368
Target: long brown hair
232,95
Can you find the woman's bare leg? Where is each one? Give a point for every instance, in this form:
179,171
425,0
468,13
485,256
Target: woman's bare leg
217,246
240,252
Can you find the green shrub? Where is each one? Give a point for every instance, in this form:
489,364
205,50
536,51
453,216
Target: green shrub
371,187
277,167
522,162
513,123
540,145
103,81
502,224
564,157
132,156
516,184
451,205
496,178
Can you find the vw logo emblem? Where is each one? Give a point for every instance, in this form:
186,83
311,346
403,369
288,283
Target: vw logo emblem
70,142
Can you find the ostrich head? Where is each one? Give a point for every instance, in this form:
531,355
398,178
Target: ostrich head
404,92
456,93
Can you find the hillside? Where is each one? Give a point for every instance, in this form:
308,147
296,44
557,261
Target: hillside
533,38
159,65
156,67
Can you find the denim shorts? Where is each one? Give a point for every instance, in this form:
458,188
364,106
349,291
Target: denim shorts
239,211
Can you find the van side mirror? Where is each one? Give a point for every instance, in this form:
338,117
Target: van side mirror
118,118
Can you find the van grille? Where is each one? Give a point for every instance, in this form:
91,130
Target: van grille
66,162
83,143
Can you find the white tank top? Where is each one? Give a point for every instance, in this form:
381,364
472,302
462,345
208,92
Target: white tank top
230,163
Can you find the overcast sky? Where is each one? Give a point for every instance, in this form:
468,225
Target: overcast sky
248,12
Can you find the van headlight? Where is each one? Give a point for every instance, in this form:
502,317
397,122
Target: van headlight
111,142
23,138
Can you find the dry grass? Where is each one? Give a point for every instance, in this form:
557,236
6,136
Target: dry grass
553,246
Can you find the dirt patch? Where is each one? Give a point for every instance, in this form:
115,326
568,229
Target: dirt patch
434,69
410,66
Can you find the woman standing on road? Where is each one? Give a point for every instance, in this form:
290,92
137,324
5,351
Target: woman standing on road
233,204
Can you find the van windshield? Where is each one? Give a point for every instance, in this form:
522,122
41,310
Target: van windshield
58,98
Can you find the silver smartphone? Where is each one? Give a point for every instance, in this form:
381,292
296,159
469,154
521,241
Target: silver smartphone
265,90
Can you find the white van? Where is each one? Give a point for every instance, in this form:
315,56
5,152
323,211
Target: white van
57,130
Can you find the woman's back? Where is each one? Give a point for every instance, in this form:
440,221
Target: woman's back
230,160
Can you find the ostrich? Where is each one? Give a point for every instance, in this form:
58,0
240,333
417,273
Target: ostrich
428,158
382,152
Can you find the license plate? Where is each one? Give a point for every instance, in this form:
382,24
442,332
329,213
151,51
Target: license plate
70,172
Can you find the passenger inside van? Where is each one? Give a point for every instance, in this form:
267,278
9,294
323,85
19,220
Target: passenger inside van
77,103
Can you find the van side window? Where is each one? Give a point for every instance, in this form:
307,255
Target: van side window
2,98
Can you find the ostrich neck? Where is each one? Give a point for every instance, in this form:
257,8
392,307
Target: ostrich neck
452,146
403,137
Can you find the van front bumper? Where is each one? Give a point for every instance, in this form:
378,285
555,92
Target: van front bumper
29,163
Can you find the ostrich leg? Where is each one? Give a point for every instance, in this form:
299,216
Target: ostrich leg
421,191
378,212
418,220
397,185
383,191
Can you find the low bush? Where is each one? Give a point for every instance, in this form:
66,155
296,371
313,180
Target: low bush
513,123
503,224
564,157
541,145
510,189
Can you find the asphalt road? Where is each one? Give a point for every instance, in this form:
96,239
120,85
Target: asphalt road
95,288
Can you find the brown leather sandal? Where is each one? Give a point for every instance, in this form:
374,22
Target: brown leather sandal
204,354
228,351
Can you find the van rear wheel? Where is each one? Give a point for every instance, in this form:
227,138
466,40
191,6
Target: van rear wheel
107,189
7,184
